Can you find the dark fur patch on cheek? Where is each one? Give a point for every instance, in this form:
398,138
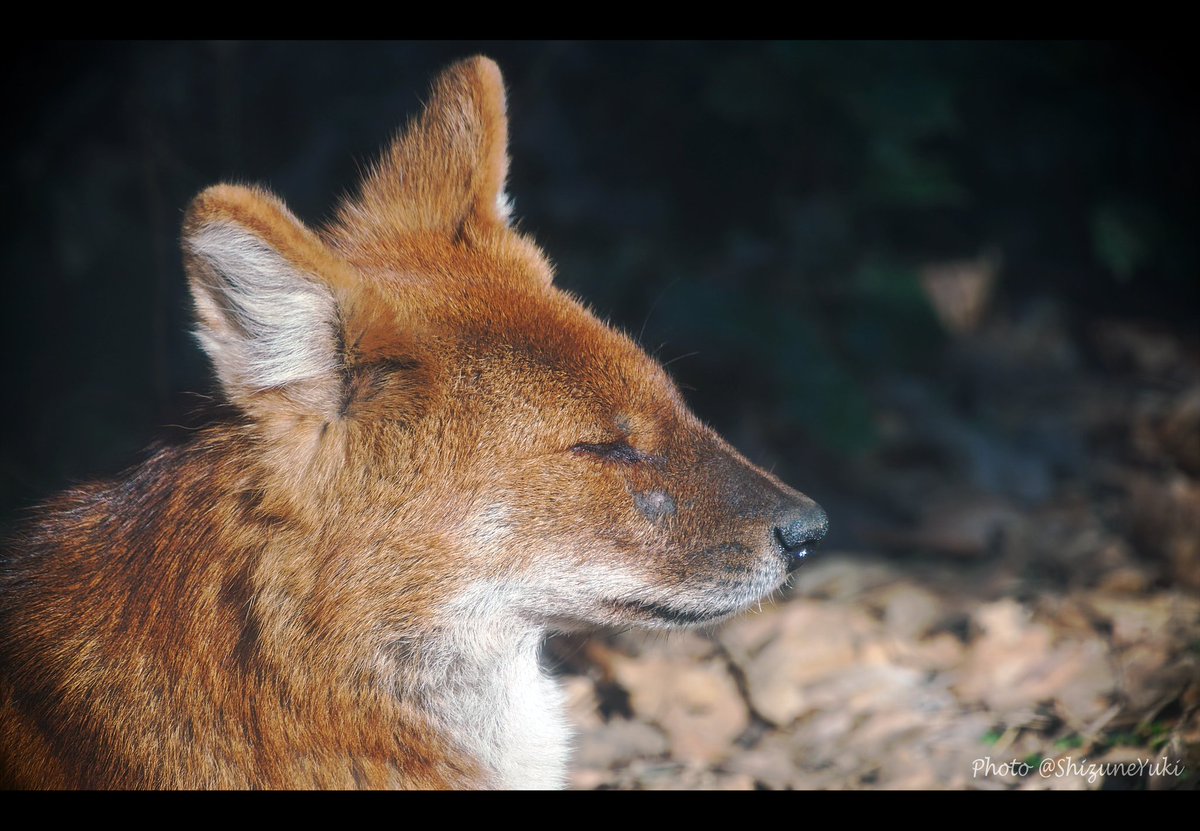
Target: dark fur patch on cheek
655,505
390,389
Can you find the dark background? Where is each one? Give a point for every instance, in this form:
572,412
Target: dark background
758,214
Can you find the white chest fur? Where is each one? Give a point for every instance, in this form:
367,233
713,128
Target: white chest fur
485,687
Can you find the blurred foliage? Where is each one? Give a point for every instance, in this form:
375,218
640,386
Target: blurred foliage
765,205
1122,239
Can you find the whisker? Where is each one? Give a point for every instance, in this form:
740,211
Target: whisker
654,305
681,357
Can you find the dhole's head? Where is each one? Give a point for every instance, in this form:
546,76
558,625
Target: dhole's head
448,429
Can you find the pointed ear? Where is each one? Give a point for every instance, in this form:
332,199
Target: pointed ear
446,172
265,289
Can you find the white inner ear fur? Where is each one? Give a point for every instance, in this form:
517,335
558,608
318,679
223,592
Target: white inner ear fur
263,322
504,207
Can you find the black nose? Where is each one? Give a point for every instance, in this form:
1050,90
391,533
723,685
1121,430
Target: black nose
799,530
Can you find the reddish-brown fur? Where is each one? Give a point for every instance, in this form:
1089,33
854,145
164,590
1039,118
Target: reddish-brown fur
259,607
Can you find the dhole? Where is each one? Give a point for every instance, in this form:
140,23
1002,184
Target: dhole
438,457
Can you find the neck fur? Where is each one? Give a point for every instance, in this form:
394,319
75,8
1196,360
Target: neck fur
482,682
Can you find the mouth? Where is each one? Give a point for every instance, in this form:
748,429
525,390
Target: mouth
720,597
673,615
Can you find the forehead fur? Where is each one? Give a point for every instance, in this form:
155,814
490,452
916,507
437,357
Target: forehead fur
535,331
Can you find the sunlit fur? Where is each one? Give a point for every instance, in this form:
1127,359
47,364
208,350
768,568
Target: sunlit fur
437,457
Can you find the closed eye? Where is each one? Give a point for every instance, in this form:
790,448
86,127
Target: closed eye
611,451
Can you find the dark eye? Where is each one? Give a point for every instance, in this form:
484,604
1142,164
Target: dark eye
611,451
